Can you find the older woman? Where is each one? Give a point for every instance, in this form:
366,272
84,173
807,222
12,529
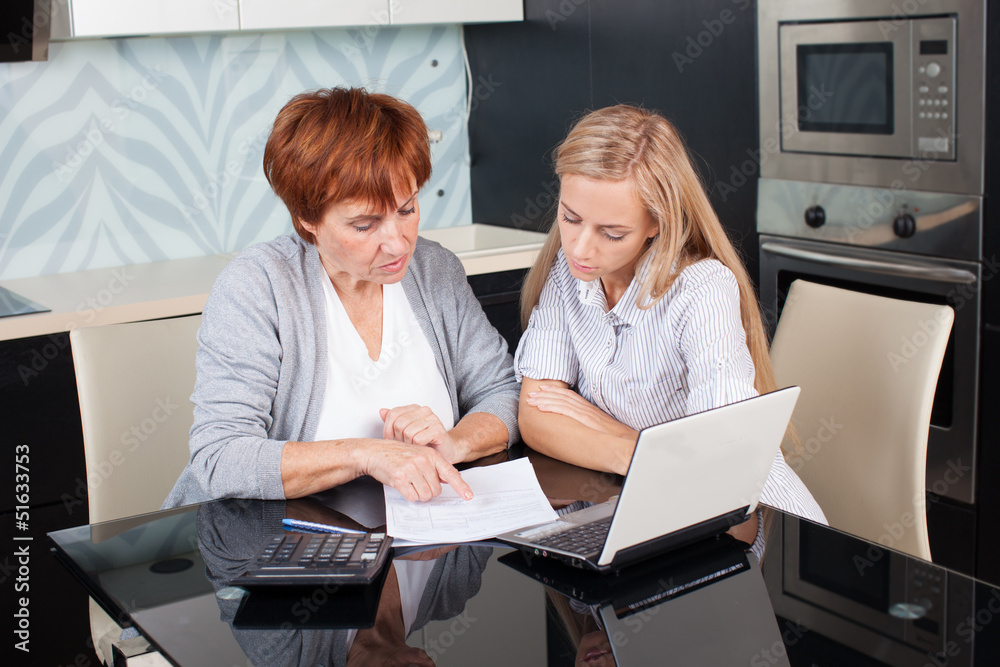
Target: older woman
351,347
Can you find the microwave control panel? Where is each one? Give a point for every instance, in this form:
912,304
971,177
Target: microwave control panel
925,599
933,44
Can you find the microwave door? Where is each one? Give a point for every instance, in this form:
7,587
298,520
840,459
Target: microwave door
846,88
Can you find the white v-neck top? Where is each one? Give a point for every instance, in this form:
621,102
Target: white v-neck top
406,371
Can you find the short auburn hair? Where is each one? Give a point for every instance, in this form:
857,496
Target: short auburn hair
344,144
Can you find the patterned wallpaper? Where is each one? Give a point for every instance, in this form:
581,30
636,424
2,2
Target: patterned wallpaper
124,151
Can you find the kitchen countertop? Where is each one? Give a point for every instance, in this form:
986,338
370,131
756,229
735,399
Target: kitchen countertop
180,286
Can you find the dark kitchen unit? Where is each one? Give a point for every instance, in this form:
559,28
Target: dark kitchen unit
24,25
879,176
692,61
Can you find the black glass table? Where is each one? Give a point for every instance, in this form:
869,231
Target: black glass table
817,597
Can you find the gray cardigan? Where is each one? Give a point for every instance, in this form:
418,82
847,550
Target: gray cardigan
262,362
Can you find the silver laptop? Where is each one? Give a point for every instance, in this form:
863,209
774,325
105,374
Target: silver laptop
689,479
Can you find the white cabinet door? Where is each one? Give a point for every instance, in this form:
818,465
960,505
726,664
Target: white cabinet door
288,14
455,11
111,18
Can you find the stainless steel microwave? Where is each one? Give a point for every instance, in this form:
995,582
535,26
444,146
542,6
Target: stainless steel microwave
876,93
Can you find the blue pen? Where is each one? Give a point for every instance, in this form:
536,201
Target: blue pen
320,527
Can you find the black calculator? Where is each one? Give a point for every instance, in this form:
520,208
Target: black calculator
294,558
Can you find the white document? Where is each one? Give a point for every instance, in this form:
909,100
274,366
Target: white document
506,497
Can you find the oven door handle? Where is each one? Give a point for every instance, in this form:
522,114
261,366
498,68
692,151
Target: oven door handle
900,269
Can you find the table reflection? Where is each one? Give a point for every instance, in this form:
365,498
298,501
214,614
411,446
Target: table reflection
817,596
869,599
330,625
705,604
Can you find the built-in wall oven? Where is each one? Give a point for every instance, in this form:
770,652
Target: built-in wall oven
786,255
872,178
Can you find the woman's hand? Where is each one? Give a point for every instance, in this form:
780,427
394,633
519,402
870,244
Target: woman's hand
418,425
746,531
570,404
416,472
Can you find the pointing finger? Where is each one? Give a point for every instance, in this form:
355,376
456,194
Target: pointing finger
450,475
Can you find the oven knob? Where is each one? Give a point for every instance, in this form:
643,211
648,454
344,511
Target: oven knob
904,226
815,216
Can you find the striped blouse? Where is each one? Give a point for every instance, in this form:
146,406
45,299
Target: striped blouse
685,354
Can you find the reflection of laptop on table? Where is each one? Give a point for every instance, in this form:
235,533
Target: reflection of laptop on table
689,478
706,602
643,584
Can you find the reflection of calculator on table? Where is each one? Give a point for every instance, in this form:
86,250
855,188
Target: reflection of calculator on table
302,559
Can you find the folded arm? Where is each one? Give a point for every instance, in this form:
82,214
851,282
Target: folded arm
593,441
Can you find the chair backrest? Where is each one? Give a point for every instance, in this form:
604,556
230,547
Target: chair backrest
868,369
134,382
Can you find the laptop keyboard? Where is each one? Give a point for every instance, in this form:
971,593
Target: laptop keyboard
304,557
585,540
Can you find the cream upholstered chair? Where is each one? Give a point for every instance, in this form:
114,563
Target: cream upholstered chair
868,369
134,383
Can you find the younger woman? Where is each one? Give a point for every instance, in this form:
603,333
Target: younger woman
638,309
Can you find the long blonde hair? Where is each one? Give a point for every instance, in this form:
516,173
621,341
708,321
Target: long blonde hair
626,142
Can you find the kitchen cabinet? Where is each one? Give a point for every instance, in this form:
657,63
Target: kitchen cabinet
41,426
122,18
407,12
292,14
